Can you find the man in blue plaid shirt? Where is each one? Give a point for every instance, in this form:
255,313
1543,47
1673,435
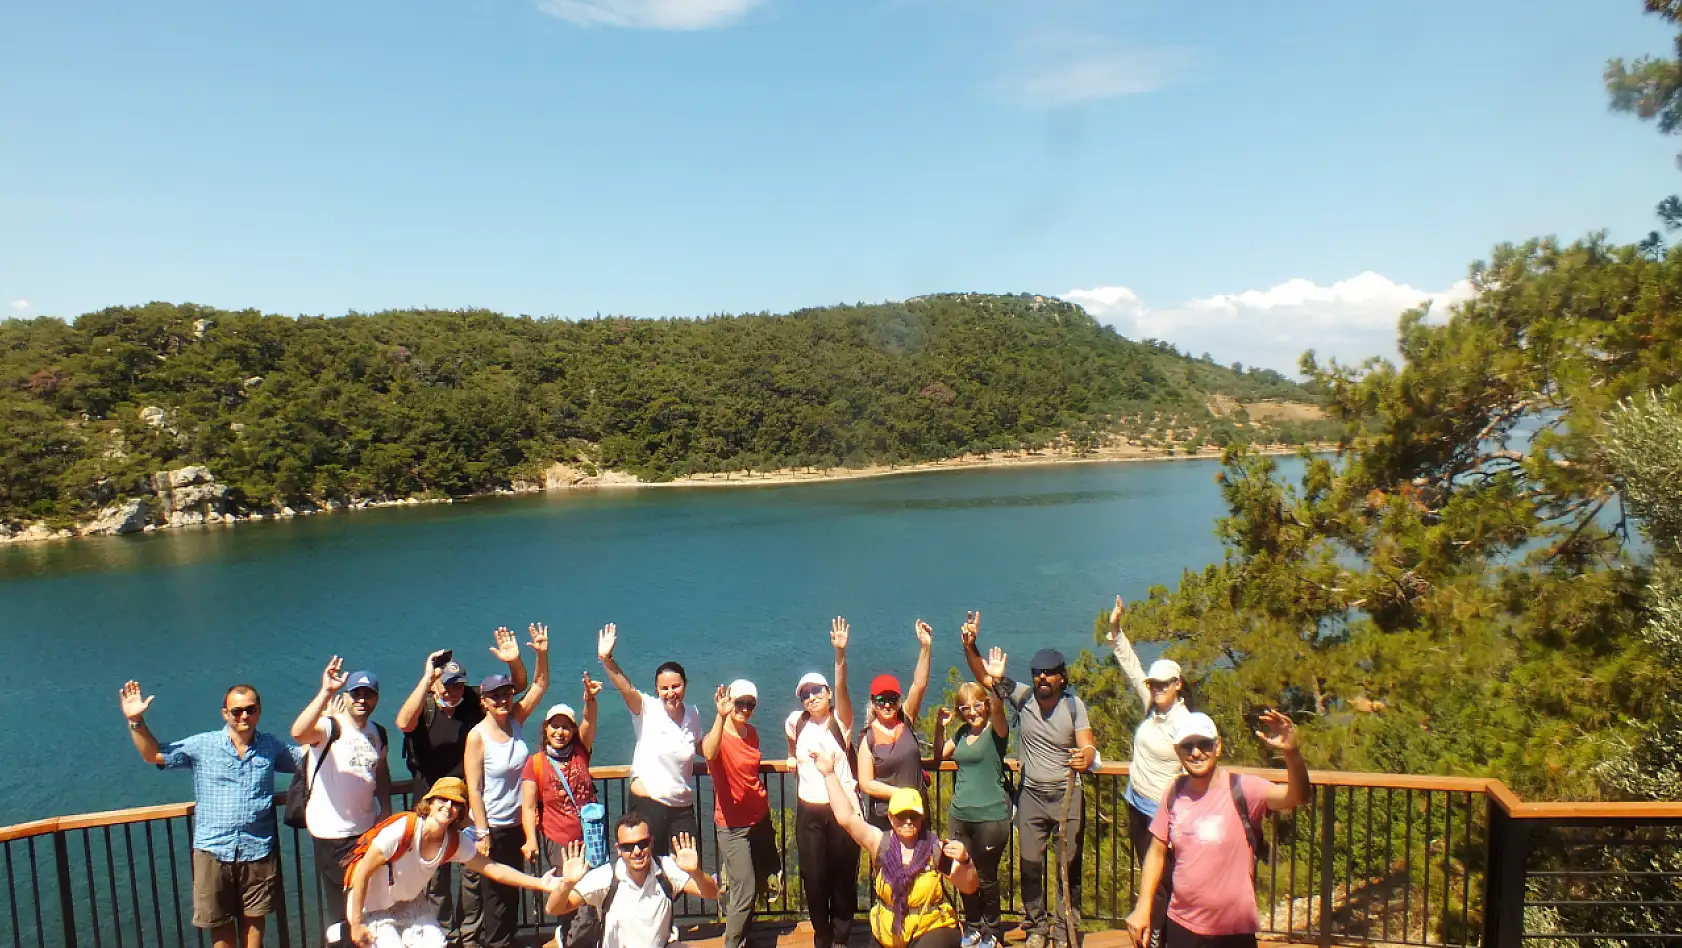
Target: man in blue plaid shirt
234,860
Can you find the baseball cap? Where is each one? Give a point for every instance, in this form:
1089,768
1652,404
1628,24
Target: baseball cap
493,682
453,673
362,679
1046,659
810,678
563,709
449,788
1196,724
1163,669
906,800
742,688
885,684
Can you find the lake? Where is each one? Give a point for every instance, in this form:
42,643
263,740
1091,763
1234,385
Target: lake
731,582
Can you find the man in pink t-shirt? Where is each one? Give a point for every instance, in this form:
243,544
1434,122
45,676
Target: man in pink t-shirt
1213,904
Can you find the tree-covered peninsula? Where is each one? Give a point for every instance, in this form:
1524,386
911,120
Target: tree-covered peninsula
274,412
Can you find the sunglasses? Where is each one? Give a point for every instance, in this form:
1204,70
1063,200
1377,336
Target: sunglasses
972,708
886,699
746,704
1162,685
500,696
635,845
248,710
453,804
1047,672
811,691
1204,744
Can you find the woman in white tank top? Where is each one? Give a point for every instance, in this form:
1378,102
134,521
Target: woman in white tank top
493,758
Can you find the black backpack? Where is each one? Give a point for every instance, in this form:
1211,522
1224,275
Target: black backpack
1260,849
302,785
589,923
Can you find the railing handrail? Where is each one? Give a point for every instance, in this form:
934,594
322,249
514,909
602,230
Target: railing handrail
1493,789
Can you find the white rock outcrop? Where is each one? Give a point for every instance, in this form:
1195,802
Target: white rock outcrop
128,517
187,496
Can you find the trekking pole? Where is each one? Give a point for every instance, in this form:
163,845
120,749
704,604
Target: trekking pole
1069,922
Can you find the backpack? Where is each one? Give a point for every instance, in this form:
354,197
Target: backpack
846,746
589,924
411,824
1260,849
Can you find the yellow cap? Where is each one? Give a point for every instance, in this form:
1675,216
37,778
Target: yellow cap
906,800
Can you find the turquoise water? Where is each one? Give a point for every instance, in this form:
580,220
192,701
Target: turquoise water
733,583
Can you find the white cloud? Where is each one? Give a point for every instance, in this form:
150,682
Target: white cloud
1351,319
1093,77
20,305
649,14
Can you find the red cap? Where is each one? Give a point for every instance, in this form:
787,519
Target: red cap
885,684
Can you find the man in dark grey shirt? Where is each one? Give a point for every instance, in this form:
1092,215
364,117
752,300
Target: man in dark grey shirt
1055,740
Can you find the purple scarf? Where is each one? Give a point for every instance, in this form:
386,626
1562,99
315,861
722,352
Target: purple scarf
899,874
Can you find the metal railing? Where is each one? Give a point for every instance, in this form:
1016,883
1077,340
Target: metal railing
1371,859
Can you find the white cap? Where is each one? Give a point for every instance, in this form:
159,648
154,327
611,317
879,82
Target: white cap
810,678
562,708
1163,669
1196,724
742,688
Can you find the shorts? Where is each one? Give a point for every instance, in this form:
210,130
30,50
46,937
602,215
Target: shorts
224,892
1173,936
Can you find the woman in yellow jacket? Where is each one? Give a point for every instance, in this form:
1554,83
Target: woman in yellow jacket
911,909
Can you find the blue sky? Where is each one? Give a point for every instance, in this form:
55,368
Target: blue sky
1173,166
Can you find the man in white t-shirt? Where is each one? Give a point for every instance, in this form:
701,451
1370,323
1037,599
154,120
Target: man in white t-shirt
638,904
349,782
387,904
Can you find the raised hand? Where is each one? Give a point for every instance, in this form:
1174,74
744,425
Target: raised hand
839,631
538,633
507,648
995,664
971,628
942,717
592,688
573,864
1281,732
1116,613
721,698
925,634
685,854
606,639
333,677
824,762
134,705
434,669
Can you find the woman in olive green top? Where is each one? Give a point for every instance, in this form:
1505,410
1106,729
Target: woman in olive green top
980,813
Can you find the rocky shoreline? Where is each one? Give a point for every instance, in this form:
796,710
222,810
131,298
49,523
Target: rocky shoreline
191,496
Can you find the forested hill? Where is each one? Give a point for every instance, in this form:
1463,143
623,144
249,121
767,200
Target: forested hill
300,411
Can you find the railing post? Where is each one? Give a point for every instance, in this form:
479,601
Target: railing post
1328,851
1506,868
66,901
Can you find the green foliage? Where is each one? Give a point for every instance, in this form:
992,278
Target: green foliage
308,410
1452,593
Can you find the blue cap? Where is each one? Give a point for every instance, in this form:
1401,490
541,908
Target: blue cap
362,679
453,673
493,682
1046,659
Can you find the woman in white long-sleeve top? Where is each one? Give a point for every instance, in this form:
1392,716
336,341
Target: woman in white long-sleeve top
1155,763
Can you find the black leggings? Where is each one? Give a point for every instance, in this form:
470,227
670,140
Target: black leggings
500,904
986,842
664,822
829,871
939,938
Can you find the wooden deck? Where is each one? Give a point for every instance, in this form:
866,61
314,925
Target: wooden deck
769,934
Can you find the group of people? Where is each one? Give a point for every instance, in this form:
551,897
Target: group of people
488,802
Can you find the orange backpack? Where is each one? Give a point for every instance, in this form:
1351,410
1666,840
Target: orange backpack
410,824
